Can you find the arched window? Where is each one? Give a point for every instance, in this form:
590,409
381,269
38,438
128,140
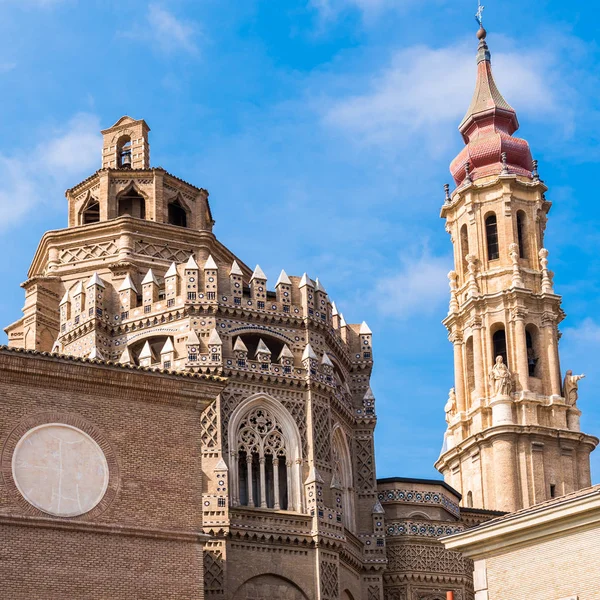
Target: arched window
464,248
132,203
177,215
91,212
469,499
531,338
470,361
499,344
491,232
522,234
124,152
265,453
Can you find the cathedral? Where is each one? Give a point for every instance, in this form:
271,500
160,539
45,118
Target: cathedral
173,425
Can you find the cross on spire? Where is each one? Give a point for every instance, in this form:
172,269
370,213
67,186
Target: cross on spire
479,13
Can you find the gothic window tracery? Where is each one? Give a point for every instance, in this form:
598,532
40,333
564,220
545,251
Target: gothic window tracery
265,458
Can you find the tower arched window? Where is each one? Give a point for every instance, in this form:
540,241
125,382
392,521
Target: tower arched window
522,234
499,344
469,499
124,152
491,233
132,203
464,248
531,340
177,215
265,466
91,212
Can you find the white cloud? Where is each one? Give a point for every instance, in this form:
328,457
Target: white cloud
330,9
35,176
586,333
420,287
166,32
424,92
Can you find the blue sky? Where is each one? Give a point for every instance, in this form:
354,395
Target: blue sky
323,130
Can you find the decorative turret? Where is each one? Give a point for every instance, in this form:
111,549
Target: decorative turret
286,358
322,305
65,309
258,287
240,351
150,288
236,282
283,288
127,296
310,360
191,271
146,356
193,346
307,291
95,288
171,285
488,128
263,354
211,272
215,347
167,354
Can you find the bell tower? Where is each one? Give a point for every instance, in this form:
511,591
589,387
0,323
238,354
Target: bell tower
513,436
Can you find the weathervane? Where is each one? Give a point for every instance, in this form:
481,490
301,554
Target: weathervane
479,13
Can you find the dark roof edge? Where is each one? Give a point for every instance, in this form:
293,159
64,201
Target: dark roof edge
440,482
482,511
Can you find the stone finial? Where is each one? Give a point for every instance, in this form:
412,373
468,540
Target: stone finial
513,252
326,361
95,280
191,264
258,274
150,278
125,357
305,281
95,354
309,353
547,287
262,348
65,298
172,272
283,279
192,338
235,269
168,347
468,173
504,164
364,329
146,351
377,509
473,287
239,346
215,339
285,352
127,284
210,263
534,171
452,278
319,286
447,193
334,310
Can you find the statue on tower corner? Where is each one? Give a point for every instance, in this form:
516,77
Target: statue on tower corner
501,378
571,386
450,408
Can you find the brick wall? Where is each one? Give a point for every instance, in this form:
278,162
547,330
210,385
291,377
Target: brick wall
142,540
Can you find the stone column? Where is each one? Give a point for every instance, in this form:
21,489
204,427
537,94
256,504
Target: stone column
263,489
249,482
520,344
551,345
506,475
459,371
478,359
276,482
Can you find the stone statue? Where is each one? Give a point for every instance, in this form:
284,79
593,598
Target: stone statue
570,387
501,378
450,407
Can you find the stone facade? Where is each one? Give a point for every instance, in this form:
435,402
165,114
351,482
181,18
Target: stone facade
142,534
513,437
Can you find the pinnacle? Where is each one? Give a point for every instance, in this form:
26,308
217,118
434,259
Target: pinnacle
235,269
95,280
239,346
210,263
172,272
342,321
65,298
192,338
214,338
168,347
319,287
262,348
286,352
125,357
309,353
364,329
150,278
146,351
326,360
95,354
191,263
334,310
283,278
78,289
305,281
127,284
258,274
369,394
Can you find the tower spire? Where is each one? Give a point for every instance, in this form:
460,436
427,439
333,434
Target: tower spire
488,126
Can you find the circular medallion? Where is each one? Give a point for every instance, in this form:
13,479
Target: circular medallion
60,470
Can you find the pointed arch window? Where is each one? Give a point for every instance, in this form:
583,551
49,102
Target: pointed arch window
491,232
264,460
132,203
